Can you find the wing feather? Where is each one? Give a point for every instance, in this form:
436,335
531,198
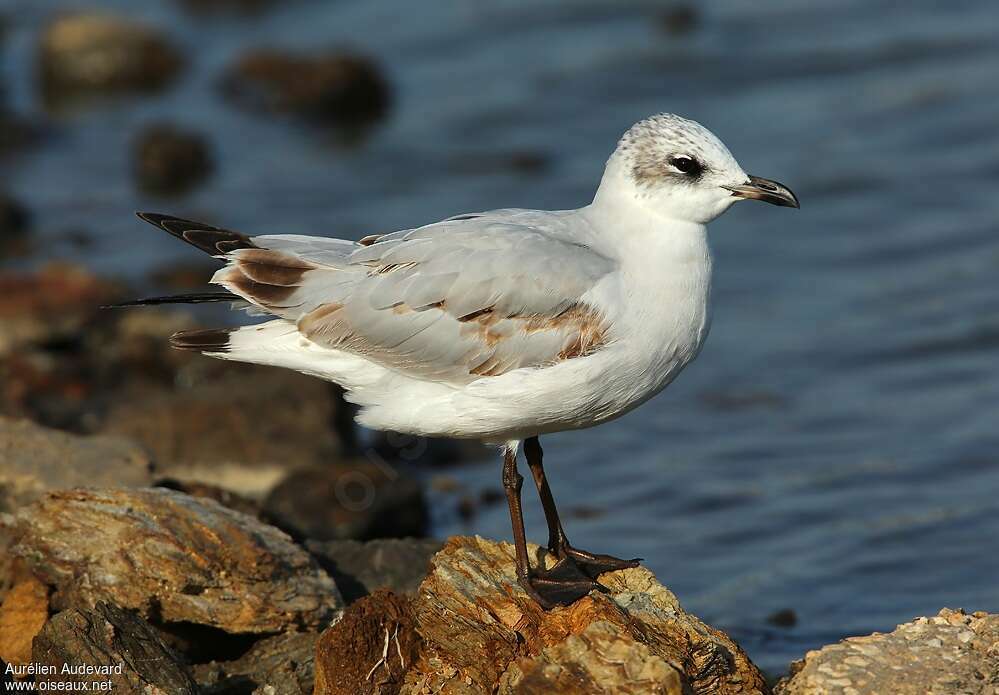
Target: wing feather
466,298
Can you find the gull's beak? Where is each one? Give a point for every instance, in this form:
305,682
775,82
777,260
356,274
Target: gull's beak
766,190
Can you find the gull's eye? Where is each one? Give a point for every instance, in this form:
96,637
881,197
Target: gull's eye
685,165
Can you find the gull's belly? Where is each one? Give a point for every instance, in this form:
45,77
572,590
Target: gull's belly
650,346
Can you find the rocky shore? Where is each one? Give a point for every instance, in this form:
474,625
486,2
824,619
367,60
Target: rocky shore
164,528
173,524
154,590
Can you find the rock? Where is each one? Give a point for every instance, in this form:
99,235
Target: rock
378,637
678,20
952,652
226,6
348,499
596,660
7,561
35,459
49,305
185,275
212,492
279,665
109,636
66,373
337,88
238,427
474,630
15,224
19,132
359,568
97,53
785,617
524,162
169,160
22,615
173,558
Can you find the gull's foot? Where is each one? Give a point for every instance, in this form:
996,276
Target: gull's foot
593,564
562,585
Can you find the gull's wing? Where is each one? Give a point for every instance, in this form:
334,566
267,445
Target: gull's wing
472,296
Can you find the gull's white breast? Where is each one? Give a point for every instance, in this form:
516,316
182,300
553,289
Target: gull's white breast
657,308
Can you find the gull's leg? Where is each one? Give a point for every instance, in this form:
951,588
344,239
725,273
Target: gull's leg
563,583
591,563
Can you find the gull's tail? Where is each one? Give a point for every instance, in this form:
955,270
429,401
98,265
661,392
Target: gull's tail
196,298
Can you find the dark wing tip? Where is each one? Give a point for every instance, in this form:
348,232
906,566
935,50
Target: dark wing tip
196,298
212,240
202,340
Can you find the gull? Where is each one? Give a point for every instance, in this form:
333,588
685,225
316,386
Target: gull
499,326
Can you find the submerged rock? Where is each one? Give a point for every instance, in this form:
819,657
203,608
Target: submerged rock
174,558
353,498
360,568
83,54
337,88
15,224
472,629
227,6
35,459
679,20
108,636
169,160
950,653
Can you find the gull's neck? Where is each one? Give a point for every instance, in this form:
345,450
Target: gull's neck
621,211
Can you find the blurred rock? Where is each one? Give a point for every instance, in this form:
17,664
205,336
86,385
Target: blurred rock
169,160
81,54
408,449
35,459
951,653
360,568
679,19
279,665
185,275
15,225
49,305
18,132
370,649
236,426
785,617
22,615
173,558
348,499
338,88
109,636
7,561
226,6
66,374
525,162
471,629
212,492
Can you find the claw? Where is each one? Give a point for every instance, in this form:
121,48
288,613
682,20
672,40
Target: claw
562,585
593,564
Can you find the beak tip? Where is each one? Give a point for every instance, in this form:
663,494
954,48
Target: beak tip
766,190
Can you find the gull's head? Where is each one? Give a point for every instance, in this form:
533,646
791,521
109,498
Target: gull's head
680,169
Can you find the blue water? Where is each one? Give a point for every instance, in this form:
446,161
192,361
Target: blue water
833,449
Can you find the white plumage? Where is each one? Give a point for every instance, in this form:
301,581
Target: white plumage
506,324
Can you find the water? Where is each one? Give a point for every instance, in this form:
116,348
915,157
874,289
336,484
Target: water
833,449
